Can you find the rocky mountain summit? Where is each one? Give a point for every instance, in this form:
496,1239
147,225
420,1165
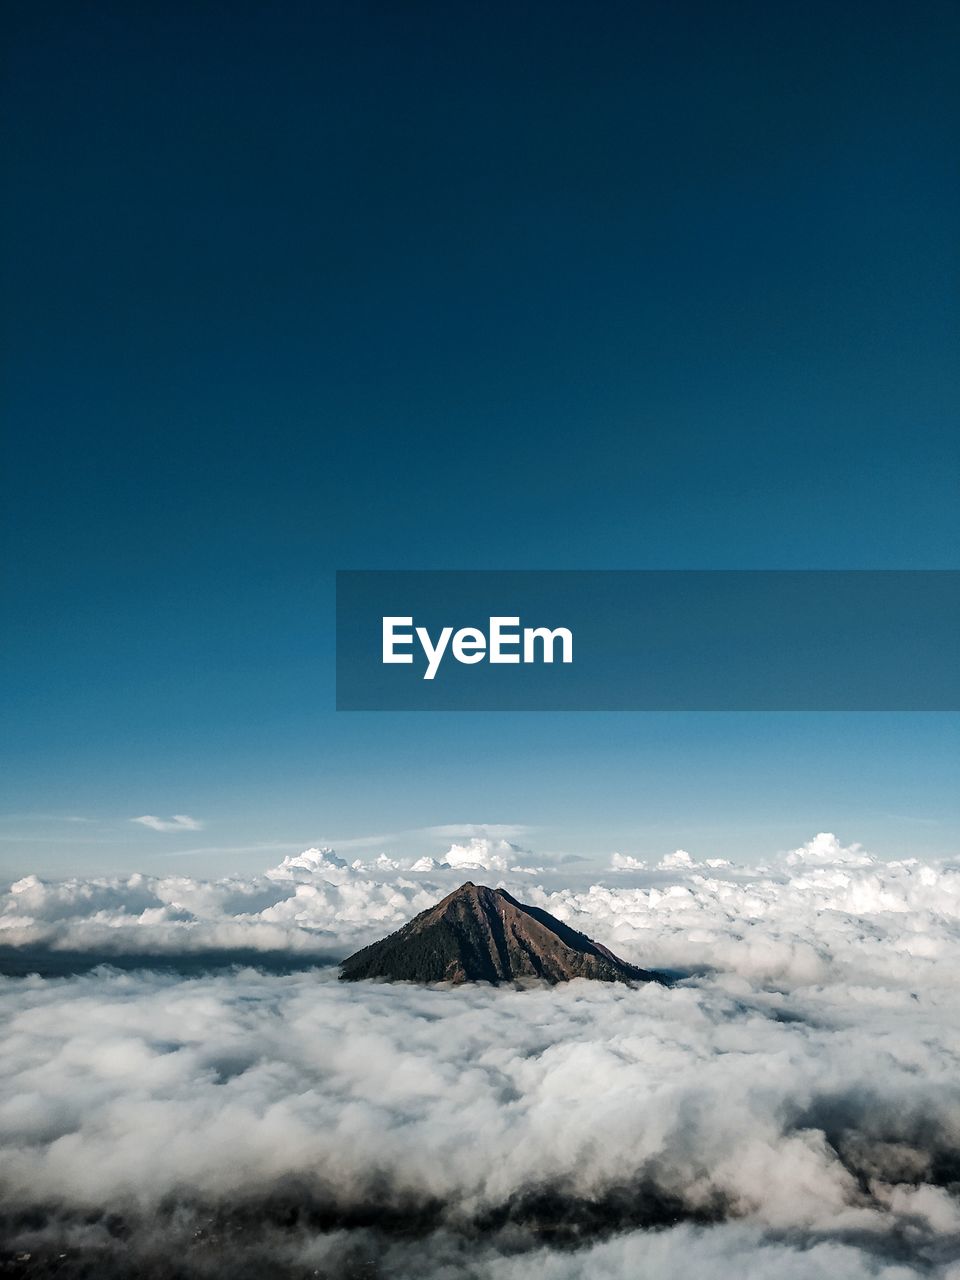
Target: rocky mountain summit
477,934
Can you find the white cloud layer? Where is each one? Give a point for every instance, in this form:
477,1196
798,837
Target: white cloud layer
790,1110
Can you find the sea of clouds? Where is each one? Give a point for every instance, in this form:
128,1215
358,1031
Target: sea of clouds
789,1107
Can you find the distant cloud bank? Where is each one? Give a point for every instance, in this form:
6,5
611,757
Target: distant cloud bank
823,912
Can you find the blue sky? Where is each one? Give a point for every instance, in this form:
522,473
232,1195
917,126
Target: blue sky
331,286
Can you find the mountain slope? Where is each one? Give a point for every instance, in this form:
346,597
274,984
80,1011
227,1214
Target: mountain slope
477,934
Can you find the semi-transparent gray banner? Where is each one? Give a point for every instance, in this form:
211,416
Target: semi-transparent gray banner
519,640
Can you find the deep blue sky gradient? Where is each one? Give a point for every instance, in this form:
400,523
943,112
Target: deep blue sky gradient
292,288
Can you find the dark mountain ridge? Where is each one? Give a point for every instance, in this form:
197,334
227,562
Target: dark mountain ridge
477,934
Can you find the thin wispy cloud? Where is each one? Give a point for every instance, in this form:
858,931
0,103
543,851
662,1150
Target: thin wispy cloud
480,830
44,817
178,822
262,846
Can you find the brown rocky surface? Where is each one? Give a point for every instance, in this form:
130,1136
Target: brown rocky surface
477,934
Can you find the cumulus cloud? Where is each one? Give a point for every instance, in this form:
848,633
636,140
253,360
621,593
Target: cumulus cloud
487,853
179,822
790,1107
825,850
680,859
625,862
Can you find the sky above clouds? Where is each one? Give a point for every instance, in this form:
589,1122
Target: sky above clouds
364,287
738,786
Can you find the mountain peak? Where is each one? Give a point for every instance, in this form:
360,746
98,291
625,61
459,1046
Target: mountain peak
479,934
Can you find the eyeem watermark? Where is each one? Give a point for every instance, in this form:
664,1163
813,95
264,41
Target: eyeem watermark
648,640
502,642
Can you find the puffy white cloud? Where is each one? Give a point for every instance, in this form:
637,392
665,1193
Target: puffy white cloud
484,853
679,860
626,862
676,861
806,1134
312,864
428,864
825,850
179,822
